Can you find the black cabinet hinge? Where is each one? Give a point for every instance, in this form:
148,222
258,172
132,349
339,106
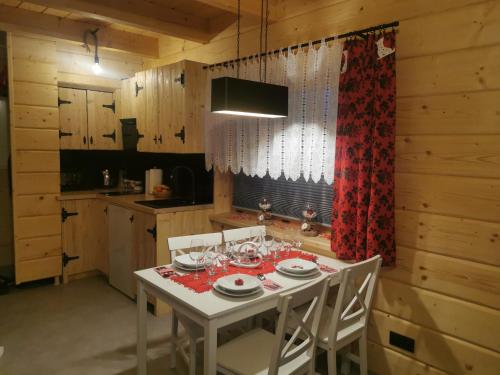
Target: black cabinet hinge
111,135
110,106
62,101
152,232
65,214
66,259
181,79
137,89
181,135
64,134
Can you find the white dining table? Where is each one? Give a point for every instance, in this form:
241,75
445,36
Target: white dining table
210,310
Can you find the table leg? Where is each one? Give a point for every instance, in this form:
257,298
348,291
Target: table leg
173,339
142,312
210,348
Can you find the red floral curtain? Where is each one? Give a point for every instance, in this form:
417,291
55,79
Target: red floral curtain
363,203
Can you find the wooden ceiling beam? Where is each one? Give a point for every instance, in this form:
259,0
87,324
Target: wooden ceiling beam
16,19
249,8
147,15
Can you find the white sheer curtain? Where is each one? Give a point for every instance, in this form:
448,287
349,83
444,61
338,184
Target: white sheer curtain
301,144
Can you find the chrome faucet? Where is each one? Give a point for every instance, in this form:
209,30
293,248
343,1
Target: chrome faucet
174,179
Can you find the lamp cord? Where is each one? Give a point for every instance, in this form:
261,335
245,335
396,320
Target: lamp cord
238,41
260,38
265,46
86,44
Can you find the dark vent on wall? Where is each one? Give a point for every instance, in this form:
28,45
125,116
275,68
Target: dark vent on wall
287,197
402,342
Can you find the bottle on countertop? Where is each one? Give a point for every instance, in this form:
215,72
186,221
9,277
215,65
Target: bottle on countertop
106,178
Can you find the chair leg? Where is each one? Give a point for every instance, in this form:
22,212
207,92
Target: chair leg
332,361
363,356
192,355
345,362
173,340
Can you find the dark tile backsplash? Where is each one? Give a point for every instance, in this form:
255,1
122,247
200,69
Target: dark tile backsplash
81,170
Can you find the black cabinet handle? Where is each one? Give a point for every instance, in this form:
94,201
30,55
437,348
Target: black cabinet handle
131,218
137,89
110,106
160,139
91,140
62,101
155,139
65,214
111,135
64,134
152,232
180,79
84,140
181,135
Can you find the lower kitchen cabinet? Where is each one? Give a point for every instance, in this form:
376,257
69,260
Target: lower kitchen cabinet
131,244
83,236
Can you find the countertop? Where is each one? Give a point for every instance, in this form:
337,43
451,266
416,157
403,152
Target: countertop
128,201
285,229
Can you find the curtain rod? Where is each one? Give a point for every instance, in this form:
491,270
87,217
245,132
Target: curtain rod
341,36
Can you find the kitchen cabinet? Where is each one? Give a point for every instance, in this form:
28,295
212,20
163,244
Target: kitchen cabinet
104,129
83,236
72,118
129,93
88,120
131,244
182,95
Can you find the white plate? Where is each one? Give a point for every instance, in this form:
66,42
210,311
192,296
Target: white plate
245,265
314,273
298,266
185,260
190,269
250,283
234,294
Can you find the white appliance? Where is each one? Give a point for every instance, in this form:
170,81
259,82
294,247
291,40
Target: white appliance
120,250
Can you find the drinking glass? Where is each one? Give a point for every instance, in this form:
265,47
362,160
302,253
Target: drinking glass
197,254
280,244
256,236
225,256
210,265
268,242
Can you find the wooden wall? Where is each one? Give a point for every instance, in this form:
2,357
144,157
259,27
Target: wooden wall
445,290
35,156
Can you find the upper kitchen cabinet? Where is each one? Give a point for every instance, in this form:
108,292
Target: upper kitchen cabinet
181,93
147,111
129,92
103,124
73,119
88,120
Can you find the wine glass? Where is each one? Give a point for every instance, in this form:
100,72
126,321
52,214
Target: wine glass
197,254
256,236
280,244
225,256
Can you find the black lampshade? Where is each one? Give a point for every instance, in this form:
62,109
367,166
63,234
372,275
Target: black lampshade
236,96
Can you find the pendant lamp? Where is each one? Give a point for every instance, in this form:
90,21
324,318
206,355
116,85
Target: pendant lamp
241,97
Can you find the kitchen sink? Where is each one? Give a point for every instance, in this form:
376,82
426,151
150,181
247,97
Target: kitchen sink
165,203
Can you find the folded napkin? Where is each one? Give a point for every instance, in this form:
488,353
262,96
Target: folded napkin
328,269
165,271
271,285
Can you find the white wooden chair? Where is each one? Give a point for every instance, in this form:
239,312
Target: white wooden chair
243,233
261,352
346,322
177,245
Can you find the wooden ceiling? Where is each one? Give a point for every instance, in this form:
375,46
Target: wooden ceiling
129,25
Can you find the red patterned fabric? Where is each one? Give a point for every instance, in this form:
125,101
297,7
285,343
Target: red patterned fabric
201,285
363,203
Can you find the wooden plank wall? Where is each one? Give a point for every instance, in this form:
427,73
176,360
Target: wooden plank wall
444,292
35,156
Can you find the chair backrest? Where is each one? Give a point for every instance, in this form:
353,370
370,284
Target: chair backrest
243,233
312,295
355,295
176,245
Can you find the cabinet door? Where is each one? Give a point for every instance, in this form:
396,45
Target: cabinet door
127,96
195,88
140,111
121,262
73,119
144,240
102,122
152,138
99,235
76,235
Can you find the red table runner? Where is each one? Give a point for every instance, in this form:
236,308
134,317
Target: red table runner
200,285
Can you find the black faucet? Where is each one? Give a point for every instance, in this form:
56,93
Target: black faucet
174,178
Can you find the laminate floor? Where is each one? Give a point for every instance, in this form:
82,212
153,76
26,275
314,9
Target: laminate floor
83,328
